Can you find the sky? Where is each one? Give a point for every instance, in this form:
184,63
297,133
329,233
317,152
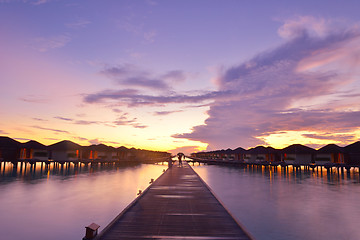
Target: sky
180,75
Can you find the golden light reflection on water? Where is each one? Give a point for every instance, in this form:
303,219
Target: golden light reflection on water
290,174
291,203
334,175
41,170
68,195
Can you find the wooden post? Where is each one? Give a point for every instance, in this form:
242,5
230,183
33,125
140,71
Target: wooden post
91,231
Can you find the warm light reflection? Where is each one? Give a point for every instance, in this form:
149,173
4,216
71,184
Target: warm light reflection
273,200
112,185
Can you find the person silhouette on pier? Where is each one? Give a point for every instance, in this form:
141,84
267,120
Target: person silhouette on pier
180,159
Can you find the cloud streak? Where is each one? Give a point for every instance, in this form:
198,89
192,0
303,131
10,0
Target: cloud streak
3,132
134,98
131,76
34,99
64,119
45,44
51,129
162,113
124,120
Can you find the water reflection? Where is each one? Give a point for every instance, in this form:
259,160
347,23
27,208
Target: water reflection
333,176
278,203
57,201
29,172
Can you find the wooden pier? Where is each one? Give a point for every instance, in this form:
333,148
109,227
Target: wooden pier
178,205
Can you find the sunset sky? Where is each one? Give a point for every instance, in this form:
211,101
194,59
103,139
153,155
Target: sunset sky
180,75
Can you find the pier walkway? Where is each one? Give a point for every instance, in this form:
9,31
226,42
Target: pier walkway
178,205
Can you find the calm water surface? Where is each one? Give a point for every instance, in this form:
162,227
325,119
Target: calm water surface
57,203
294,205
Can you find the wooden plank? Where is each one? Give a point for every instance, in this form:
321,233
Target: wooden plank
178,205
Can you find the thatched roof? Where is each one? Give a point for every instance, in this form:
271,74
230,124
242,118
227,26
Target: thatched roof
6,142
353,148
298,149
222,151
33,145
239,150
122,149
65,145
331,148
261,150
100,148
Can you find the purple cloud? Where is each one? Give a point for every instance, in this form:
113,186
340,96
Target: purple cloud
330,136
39,2
94,141
45,44
34,99
51,129
40,119
79,122
81,138
133,98
3,132
174,76
123,120
137,125
117,110
130,75
64,119
84,122
162,113
269,92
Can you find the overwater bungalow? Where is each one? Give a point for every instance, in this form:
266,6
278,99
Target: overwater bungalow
298,154
33,151
122,153
239,154
226,155
330,153
352,152
9,149
131,154
261,154
65,151
209,155
125,154
250,156
100,152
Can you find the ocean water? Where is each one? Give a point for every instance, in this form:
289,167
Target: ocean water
57,203
273,204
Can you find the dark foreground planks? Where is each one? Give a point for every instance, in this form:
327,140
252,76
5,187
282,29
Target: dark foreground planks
178,205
